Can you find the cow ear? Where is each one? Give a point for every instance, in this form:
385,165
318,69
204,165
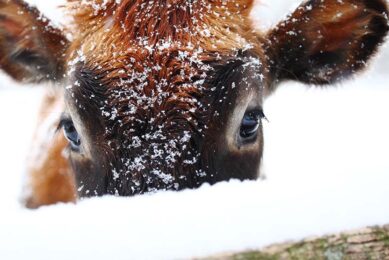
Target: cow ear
324,41
31,49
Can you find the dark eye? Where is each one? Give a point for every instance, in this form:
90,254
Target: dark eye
250,124
71,134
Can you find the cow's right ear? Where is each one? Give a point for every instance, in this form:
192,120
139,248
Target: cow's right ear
326,41
31,49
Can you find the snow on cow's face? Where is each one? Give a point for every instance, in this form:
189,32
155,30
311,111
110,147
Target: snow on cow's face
142,129
165,101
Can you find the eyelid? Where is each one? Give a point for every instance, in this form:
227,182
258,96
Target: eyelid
256,110
65,118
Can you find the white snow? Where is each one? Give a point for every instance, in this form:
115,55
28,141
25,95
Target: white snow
326,163
50,10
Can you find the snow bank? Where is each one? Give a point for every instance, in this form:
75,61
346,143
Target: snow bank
229,216
326,163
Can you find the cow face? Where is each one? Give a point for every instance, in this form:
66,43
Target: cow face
168,95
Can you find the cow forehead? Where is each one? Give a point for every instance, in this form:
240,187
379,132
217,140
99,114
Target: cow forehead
152,85
158,42
151,44
105,28
161,15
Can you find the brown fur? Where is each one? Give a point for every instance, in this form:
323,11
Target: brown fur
334,41
31,50
50,177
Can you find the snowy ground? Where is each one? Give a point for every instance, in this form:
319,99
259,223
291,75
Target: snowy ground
326,162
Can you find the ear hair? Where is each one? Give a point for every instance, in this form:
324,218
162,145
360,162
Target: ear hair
31,49
325,41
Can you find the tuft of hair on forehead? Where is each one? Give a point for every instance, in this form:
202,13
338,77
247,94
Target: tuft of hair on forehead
85,11
211,24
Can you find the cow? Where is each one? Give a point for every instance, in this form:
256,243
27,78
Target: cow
151,95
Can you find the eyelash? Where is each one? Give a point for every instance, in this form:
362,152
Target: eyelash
63,121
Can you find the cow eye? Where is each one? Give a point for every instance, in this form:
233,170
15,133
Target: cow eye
250,124
71,134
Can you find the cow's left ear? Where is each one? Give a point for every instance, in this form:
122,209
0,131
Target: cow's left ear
324,41
31,49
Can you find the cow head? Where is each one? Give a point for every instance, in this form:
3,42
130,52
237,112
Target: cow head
169,94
